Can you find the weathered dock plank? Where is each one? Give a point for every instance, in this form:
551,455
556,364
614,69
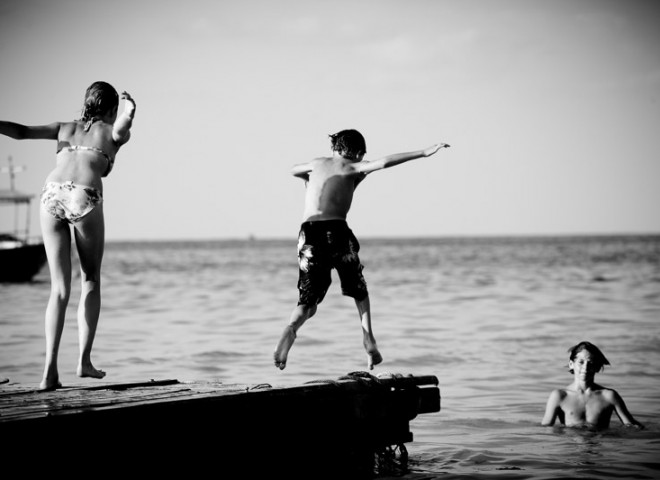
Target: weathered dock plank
318,429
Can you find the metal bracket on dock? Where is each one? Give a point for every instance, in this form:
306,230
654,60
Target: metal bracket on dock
391,460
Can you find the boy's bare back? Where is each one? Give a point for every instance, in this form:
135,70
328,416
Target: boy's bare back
331,183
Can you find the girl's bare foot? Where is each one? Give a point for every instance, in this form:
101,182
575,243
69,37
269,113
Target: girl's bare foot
90,371
48,385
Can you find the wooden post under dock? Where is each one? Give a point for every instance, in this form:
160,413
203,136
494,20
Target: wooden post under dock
353,427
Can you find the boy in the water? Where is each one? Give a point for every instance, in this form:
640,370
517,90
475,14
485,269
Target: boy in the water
584,402
325,241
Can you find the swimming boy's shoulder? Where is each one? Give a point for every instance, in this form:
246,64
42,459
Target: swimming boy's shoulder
609,394
559,394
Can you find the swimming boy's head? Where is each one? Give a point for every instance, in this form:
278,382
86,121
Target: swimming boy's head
100,98
349,144
597,357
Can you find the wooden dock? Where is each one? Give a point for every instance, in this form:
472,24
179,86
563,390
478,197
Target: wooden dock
353,427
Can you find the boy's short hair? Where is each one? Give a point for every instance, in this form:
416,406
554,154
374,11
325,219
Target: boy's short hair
599,359
349,143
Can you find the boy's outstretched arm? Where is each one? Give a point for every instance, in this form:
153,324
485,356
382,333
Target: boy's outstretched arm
396,159
23,132
121,131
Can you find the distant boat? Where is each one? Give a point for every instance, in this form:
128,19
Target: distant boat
21,258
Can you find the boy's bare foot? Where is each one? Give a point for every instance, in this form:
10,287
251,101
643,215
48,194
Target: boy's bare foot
283,347
373,355
373,358
90,371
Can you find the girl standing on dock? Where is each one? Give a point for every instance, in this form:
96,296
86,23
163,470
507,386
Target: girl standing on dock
73,197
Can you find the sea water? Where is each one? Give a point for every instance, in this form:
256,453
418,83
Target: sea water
491,318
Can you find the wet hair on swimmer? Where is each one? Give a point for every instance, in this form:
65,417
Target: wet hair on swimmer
100,98
599,359
349,143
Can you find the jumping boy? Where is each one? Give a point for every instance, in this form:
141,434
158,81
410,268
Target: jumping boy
325,241
584,402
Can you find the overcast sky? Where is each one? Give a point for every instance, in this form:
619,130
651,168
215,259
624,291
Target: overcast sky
552,110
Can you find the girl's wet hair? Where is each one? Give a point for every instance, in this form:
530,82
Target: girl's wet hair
100,98
599,359
350,143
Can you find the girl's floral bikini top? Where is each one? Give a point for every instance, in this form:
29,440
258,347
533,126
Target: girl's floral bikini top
111,161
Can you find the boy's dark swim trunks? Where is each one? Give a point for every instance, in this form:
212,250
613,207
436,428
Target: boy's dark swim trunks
322,246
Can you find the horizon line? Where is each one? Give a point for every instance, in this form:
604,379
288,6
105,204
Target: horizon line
288,238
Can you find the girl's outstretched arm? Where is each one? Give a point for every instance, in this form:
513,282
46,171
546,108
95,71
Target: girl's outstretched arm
24,132
121,131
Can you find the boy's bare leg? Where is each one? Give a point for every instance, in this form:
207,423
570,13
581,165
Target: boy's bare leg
369,341
299,315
